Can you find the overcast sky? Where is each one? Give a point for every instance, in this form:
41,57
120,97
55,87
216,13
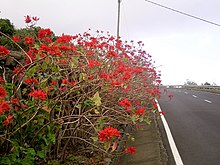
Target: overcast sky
182,47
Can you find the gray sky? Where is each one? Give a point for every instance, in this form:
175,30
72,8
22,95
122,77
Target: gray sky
182,47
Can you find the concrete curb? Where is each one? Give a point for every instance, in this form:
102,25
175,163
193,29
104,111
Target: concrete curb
150,148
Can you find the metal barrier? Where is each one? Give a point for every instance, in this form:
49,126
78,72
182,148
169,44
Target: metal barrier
207,88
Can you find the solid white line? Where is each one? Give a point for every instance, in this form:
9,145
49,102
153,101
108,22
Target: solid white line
194,96
173,147
208,101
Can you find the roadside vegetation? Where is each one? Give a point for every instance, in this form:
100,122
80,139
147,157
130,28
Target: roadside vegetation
70,98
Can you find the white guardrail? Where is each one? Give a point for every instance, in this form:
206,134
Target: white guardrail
208,88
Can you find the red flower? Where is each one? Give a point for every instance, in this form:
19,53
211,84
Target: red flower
15,101
126,75
2,92
162,113
27,19
62,61
4,106
66,81
8,120
1,80
107,133
53,82
92,63
170,95
35,19
140,111
29,40
38,94
16,38
130,150
30,81
116,83
16,70
125,103
90,77
43,33
4,51
154,103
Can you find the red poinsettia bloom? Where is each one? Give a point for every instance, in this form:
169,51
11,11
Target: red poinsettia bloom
43,33
125,103
2,92
29,40
4,107
162,113
16,38
108,133
92,63
15,101
27,19
1,80
31,81
8,120
35,18
130,150
170,95
53,82
4,51
140,111
39,94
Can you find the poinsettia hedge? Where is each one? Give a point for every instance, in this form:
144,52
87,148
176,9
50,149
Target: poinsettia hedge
71,97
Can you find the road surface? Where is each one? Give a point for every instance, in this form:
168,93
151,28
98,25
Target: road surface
194,121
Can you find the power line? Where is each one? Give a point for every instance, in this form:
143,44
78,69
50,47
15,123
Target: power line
180,12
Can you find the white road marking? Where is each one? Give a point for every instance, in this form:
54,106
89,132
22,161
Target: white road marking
186,93
173,147
208,101
195,96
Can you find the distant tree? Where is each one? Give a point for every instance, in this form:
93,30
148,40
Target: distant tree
189,82
6,27
206,83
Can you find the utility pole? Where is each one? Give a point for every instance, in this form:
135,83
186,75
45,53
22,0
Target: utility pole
119,7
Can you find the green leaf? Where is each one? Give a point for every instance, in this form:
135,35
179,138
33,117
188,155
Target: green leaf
32,70
24,91
31,152
101,122
96,99
147,121
133,119
74,62
95,139
41,154
89,103
82,77
44,66
51,138
5,160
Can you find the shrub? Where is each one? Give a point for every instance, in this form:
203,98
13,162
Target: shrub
72,98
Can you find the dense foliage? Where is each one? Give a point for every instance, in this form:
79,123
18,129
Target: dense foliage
72,97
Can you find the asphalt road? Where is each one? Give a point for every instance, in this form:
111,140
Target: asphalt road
194,120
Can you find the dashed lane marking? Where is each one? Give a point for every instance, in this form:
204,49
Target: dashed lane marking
195,96
186,92
208,101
